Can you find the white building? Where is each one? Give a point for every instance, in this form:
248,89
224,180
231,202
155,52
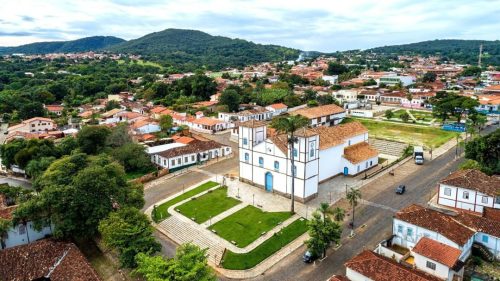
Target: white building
34,125
177,156
469,190
324,115
277,108
332,79
320,153
19,234
346,95
391,80
257,113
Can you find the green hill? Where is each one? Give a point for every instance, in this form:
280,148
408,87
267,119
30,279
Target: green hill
190,49
93,43
461,51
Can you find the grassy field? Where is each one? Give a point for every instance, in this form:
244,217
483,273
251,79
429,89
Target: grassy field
142,62
412,134
270,246
422,115
248,224
161,211
208,205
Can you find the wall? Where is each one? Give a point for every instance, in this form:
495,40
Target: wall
456,199
442,271
15,238
355,276
493,243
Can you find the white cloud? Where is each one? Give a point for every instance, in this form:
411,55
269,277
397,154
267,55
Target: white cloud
310,25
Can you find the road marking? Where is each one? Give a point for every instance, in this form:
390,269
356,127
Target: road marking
365,202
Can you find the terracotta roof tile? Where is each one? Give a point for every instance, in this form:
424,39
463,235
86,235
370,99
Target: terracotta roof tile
318,111
335,135
474,180
278,106
207,121
491,213
436,251
481,224
253,124
196,146
379,268
34,261
436,221
338,278
359,152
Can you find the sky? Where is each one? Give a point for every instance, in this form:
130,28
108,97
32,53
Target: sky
327,25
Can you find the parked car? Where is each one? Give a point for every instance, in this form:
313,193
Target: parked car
309,257
400,189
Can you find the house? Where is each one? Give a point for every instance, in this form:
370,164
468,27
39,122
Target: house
207,125
178,155
320,153
256,113
34,125
145,126
346,95
470,190
56,109
19,234
277,108
493,89
489,104
371,266
394,97
46,259
392,80
324,115
332,79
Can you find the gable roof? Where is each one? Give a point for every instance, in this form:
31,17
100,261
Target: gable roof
278,106
437,251
195,146
474,180
380,268
62,260
436,221
335,135
252,124
488,225
359,152
318,111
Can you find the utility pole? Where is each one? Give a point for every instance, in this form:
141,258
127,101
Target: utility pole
480,54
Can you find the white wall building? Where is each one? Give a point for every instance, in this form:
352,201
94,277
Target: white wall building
469,190
34,125
258,113
320,153
391,80
324,115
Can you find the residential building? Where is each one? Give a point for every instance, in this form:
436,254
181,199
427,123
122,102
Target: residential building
371,266
56,109
489,104
207,125
332,79
324,115
19,234
257,113
392,80
145,126
346,95
277,108
470,190
178,156
34,125
46,259
320,153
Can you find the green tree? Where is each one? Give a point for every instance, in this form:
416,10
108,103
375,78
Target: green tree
429,77
132,156
336,69
189,263
130,232
112,104
231,99
353,196
166,122
469,164
389,114
37,167
289,125
322,231
119,136
77,192
338,214
486,151
92,139
405,116
67,145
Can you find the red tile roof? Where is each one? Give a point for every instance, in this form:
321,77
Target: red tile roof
359,152
474,180
438,252
62,260
483,224
436,221
278,106
380,268
319,111
338,278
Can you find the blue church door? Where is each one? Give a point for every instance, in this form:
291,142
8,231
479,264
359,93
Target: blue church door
346,171
269,181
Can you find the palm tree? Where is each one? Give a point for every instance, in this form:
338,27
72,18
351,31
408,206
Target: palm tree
289,125
338,214
353,196
323,208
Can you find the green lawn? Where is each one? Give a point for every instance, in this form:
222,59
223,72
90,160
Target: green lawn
161,211
270,246
412,134
246,225
397,113
208,205
422,115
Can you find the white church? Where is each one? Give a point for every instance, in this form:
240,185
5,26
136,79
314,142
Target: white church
320,154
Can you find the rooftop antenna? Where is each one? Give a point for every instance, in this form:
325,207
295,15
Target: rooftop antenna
480,54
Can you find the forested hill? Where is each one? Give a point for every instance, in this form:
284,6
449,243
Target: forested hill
190,49
462,51
93,43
